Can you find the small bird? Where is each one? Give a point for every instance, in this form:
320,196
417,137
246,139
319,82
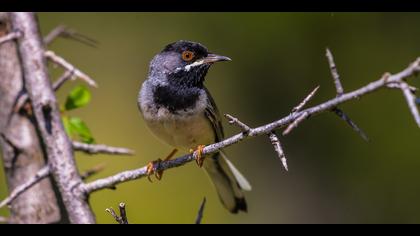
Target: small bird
180,111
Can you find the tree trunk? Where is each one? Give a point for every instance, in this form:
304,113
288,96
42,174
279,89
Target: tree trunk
22,151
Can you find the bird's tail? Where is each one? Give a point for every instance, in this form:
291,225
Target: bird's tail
228,181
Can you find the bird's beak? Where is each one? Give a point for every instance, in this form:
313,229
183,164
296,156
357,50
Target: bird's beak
212,58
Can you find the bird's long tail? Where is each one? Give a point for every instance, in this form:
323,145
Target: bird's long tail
228,181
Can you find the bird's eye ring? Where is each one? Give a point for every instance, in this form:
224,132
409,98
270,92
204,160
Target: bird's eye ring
187,55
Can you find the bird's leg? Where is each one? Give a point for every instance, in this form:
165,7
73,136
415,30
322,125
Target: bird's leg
199,159
151,167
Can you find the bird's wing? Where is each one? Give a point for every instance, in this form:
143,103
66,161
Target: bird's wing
213,115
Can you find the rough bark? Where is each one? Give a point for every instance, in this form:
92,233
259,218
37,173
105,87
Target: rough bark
56,143
21,150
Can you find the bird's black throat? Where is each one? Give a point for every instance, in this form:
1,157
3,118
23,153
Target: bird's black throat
182,90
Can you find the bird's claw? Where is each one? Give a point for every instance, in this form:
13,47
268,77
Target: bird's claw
151,169
200,158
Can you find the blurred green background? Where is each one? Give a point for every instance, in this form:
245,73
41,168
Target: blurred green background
334,176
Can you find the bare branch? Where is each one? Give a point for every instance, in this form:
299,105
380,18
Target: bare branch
235,121
334,73
67,66
100,149
10,36
266,129
24,98
306,100
411,101
279,150
122,219
66,32
40,175
398,86
200,212
353,125
92,171
295,123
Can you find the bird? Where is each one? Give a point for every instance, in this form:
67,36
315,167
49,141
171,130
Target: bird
180,111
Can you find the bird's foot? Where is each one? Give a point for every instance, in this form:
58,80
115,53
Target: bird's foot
153,166
200,158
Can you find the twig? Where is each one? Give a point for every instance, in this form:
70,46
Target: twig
353,125
411,101
24,98
200,212
67,66
100,149
122,219
295,123
334,73
92,171
235,121
10,36
40,175
306,100
66,32
279,150
398,86
266,129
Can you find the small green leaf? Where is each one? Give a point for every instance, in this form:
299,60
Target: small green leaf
79,128
78,97
66,124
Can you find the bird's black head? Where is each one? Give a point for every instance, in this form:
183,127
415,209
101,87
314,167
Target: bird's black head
184,63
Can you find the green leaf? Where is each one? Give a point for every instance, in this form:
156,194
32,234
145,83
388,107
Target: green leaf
67,126
79,128
78,97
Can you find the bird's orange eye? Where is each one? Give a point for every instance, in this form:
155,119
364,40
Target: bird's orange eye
187,55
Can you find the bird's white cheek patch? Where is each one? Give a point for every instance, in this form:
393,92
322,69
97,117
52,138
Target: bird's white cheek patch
197,63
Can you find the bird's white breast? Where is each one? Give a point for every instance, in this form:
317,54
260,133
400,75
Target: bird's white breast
184,130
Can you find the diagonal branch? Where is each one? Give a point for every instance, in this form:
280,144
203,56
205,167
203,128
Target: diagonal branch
266,129
11,36
100,149
306,100
40,175
66,32
200,212
92,171
353,125
67,66
334,73
278,148
411,101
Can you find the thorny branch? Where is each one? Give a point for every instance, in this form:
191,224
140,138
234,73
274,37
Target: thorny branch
40,175
267,129
100,149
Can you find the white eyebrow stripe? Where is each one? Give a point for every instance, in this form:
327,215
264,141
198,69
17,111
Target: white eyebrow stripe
197,63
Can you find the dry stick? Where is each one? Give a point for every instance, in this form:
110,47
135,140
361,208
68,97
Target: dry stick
306,100
411,100
58,148
128,175
100,149
10,36
24,98
66,32
67,66
235,121
334,73
122,219
347,119
339,89
275,141
200,214
92,171
40,175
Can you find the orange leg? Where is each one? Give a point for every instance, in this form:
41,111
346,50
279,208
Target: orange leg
151,167
200,158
